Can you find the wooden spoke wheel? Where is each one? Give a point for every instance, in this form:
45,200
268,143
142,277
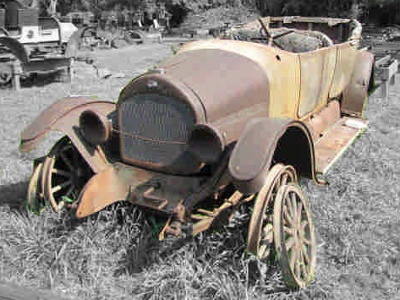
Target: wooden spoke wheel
260,236
35,201
65,173
294,236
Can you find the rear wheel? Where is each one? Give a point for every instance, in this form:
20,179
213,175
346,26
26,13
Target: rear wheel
260,236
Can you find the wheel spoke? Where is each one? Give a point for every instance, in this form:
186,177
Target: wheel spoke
290,210
299,210
267,231
289,243
75,158
74,194
286,216
70,191
304,267
288,230
293,258
297,267
305,255
66,161
61,186
303,225
61,173
305,240
264,250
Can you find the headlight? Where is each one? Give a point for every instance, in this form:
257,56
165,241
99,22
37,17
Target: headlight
95,127
206,142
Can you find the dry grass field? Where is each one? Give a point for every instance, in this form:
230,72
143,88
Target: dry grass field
112,255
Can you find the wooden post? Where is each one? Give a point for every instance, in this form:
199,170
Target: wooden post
388,74
16,75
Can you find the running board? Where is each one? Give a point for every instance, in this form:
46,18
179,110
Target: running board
335,141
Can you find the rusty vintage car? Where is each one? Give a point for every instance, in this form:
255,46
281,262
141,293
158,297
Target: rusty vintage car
225,121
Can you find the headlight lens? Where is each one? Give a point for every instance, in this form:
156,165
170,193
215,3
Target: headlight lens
95,127
206,142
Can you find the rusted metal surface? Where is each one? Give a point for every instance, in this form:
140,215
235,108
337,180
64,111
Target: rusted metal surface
324,119
336,140
252,157
212,216
355,95
120,182
111,185
64,116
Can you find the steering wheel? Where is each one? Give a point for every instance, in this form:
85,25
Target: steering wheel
272,38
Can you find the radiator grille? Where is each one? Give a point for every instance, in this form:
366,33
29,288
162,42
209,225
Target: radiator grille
154,129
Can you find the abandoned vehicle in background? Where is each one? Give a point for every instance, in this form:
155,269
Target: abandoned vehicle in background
30,43
222,123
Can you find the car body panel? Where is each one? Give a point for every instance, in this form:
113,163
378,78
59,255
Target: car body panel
345,61
356,93
258,146
281,69
63,116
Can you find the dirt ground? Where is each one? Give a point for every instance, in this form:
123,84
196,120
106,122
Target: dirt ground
356,216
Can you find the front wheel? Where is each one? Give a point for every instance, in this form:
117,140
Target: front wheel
294,236
65,173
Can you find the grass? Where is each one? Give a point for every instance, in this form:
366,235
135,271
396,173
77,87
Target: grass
112,255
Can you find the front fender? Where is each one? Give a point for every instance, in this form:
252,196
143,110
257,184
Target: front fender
63,116
285,140
16,48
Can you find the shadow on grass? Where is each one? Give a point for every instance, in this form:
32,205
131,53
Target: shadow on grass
40,80
223,249
14,195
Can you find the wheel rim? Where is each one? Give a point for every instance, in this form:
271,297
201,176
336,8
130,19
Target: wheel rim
65,173
294,236
34,201
260,237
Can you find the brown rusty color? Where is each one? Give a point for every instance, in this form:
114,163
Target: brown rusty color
323,120
119,182
207,222
109,186
64,116
261,142
336,140
316,69
355,95
281,70
202,71
166,85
